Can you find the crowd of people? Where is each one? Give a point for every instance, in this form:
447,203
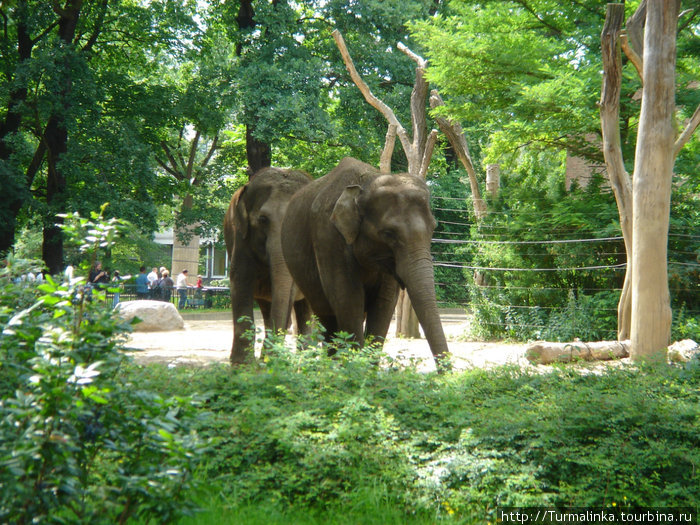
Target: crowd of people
157,285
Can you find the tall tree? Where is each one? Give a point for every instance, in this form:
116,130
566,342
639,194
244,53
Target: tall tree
69,98
644,199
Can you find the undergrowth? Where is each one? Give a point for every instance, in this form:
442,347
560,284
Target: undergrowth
312,440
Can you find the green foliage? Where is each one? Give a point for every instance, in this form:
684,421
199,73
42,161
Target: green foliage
79,442
312,439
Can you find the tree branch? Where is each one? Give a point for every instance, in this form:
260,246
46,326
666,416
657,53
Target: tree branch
455,134
174,168
635,28
193,153
99,24
385,157
168,169
212,149
690,128
371,99
428,153
418,94
633,56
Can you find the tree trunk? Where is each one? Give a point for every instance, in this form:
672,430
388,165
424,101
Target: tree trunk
56,139
258,153
654,159
406,318
185,254
618,177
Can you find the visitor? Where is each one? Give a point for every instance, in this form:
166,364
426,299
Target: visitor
182,289
117,285
98,276
152,280
142,290
200,284
167,285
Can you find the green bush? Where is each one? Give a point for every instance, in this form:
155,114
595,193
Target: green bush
308,439
79,442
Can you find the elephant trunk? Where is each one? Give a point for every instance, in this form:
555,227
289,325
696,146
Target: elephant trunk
415,269
282,284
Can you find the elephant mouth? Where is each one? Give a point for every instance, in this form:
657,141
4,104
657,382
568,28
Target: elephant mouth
388,266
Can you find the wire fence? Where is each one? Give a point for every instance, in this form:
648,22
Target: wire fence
507,304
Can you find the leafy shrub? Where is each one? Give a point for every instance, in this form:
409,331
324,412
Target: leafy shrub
78,442
302,435
685,326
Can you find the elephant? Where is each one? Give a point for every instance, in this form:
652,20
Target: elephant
353,237
257,270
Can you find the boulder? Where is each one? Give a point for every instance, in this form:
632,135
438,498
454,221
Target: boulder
154,315
683,351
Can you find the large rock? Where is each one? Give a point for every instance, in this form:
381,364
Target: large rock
154,315
683,351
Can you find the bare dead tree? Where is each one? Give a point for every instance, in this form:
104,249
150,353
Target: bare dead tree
643,200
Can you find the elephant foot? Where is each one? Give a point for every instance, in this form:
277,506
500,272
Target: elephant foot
241,358
443,363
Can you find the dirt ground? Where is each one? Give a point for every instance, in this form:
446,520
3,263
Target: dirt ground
206,341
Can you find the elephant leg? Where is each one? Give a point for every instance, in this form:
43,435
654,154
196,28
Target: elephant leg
265,310
243,329
380,309
330,325
241,279
302,314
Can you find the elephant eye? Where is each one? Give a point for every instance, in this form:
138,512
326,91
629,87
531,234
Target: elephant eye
263,220
388,235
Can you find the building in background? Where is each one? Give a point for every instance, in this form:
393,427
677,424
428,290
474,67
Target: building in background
209,260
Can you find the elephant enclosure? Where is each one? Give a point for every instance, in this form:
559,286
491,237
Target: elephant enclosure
209,341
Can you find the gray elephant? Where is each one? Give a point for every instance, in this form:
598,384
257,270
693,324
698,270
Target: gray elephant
257,269
351,238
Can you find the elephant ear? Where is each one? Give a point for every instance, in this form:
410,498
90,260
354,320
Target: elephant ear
242,214
346,214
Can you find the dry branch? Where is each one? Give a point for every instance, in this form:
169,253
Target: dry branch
633,56
371,99
455,134
690,128
428,153
385,157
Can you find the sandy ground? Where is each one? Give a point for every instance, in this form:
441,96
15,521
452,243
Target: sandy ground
205,341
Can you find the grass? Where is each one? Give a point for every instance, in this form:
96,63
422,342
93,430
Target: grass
306,439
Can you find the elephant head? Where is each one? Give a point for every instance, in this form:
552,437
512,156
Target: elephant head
257,268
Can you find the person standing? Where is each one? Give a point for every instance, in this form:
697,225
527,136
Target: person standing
142,284
167,283
98,276
117,279
152,280
182,288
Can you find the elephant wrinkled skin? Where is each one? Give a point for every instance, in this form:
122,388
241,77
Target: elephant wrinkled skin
351,238
257,269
